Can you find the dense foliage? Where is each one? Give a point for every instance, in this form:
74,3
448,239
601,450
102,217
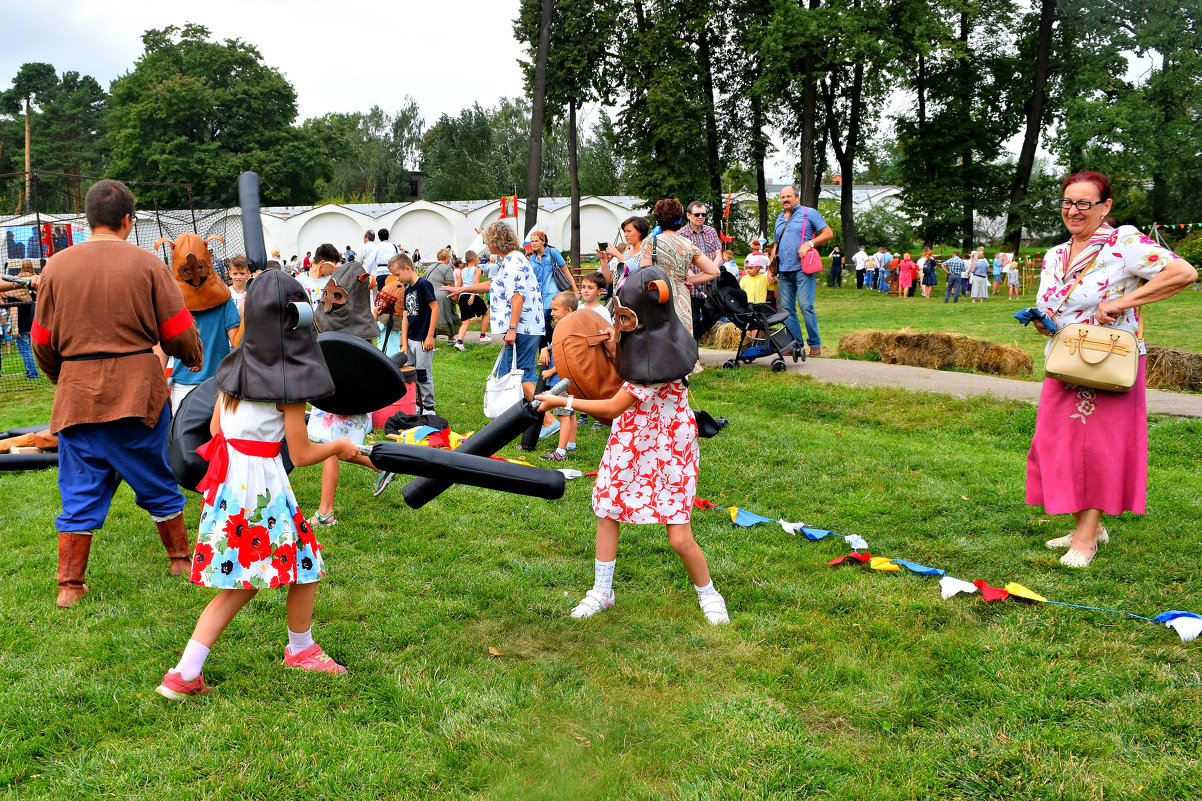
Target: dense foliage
975,108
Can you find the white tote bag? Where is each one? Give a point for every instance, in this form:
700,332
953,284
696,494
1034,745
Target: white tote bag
501,392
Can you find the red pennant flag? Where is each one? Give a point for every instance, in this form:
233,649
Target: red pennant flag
701,503
859,557
439,439
509,206
991,593
726,212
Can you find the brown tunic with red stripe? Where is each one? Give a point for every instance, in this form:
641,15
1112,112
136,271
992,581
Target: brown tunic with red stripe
102,305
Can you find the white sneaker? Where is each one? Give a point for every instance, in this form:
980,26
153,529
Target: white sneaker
592,603
459,345
714,607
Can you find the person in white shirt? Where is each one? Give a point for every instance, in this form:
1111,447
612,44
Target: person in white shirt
861,260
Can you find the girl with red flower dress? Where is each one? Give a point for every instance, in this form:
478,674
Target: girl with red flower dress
252,533
648,474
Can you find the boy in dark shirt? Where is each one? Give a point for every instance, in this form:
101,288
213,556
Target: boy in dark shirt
418,326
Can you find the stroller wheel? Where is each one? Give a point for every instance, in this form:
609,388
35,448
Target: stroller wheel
799,353
731,364
778,365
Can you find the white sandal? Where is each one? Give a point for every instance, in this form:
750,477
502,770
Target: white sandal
714,607
592,603
1067,540
1075,558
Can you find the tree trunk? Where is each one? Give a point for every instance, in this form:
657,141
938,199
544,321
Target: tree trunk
809,97
538,101
928,236
846,156
1026,157
574,174
711,123
28,170
759,151
966,156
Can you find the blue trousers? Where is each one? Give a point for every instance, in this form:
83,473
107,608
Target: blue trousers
26,351
797,289
953,286
94,458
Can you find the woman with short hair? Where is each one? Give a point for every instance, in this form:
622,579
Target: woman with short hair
1089,454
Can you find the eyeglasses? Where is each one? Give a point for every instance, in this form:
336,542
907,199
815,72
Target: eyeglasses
1080,205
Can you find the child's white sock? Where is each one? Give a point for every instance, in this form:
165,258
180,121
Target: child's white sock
299,642
603,576
193,660
561,451
708,589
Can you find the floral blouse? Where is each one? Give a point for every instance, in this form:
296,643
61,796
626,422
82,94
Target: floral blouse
1124,257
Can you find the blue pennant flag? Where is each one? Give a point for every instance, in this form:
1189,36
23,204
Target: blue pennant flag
917,568
1165,617
815,533
742,517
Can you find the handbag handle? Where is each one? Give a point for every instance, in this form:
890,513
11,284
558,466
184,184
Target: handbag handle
1081,350
513,366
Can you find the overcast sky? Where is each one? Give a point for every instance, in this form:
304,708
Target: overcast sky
345,55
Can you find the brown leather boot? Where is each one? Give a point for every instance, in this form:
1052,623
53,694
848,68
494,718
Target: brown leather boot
73,549
179,548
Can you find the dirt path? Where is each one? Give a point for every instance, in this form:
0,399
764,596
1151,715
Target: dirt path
867,374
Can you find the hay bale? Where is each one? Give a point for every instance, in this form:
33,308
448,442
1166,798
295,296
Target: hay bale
861,343
937,350
1173,368
1004,360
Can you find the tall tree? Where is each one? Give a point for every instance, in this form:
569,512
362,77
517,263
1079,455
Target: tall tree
538,102
65,127
197,111
33,80
662,117
1035,122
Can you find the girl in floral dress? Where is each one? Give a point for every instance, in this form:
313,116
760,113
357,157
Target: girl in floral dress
648,474
252,533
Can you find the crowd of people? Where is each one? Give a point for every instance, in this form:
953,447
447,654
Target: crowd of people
109,317
901,275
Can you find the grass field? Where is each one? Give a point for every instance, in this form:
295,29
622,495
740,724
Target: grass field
1172,323
843,683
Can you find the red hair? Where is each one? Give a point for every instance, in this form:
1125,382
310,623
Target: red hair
1100,181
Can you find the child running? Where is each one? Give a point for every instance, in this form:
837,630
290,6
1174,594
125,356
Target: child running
648,474
252,533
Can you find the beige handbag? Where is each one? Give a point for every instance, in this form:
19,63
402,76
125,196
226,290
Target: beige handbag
1093,356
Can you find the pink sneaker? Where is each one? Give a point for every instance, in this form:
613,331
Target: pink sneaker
314,660
175,688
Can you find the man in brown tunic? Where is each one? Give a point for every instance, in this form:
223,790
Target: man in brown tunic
103,306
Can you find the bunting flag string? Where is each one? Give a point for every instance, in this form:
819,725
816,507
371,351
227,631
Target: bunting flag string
1187,625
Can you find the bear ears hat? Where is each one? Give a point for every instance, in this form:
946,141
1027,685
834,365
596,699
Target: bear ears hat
278,360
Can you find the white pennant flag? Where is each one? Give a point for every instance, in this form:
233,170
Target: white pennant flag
1188,627
856,542
949,586
791,528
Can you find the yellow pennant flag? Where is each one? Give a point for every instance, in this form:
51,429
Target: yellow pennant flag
734,512
1019,591
882,563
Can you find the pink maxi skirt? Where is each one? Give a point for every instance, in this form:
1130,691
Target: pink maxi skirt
1090,449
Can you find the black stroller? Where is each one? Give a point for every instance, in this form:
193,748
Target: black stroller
772,335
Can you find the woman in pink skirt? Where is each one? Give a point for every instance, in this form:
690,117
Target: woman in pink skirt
1089,455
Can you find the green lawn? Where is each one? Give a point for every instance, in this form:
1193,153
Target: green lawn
844,683
1173,322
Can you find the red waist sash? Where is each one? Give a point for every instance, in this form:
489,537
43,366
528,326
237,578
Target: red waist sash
219,460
